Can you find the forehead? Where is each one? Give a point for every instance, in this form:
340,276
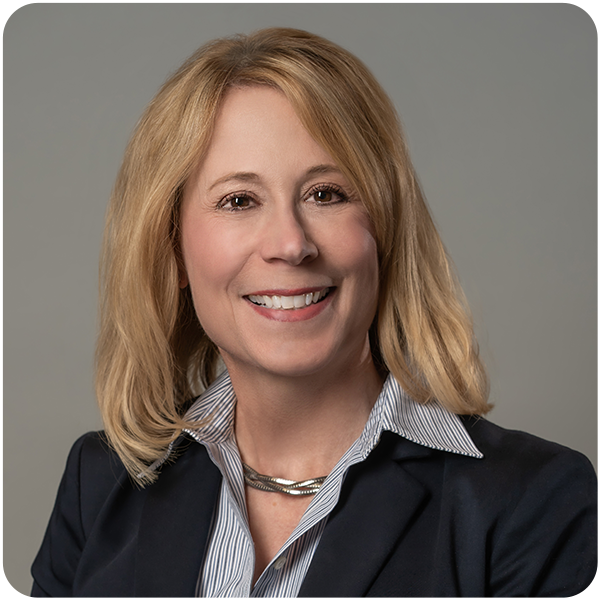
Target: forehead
257,128
251,106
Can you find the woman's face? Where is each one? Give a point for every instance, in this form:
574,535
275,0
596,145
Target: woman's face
268,222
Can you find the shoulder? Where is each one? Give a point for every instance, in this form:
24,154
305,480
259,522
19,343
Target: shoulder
539,502
96,469
93,470
535,503
523,454
93,463
93,447
525,467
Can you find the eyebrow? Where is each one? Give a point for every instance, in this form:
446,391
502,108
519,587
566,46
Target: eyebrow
240,176
248,176
318,169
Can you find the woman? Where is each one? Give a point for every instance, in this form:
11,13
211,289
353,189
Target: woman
267,219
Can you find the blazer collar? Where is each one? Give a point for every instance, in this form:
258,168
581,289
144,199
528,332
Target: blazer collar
380,500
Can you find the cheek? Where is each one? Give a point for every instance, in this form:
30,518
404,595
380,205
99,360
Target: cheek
357,250
205,269
210,260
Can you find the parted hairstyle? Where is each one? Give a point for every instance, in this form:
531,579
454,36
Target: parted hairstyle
152,355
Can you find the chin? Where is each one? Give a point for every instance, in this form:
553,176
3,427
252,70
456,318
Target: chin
295,356
294,362
293,368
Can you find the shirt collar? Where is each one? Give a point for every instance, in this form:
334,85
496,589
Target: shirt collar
428,425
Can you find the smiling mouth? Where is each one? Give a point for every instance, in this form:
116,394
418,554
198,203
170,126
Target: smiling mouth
290,302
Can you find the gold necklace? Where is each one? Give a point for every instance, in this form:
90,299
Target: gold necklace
277,484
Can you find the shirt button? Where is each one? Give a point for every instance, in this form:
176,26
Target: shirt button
278,564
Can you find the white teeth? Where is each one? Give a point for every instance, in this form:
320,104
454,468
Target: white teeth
289,302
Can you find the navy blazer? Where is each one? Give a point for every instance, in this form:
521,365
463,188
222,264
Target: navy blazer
410,521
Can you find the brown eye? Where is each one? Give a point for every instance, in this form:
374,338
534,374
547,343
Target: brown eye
327,195
323,196
239,202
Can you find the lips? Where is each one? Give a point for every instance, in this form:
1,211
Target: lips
289,301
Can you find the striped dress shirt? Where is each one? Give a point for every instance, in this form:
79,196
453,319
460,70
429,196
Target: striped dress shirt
229,564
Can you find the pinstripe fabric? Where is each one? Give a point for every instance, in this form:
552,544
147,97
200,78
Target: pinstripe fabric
229,564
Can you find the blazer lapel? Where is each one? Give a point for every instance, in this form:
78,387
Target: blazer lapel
379,500
175,524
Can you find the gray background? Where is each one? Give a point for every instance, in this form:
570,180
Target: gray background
499,106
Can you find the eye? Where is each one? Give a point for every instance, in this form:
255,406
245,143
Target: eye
324,196
327,194
236,202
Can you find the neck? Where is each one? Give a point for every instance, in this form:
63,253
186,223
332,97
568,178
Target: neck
299,427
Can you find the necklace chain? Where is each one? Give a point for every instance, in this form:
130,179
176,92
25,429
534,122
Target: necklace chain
277,484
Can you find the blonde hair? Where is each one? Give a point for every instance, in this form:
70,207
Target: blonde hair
152,355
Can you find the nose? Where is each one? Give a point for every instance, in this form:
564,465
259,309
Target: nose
284,237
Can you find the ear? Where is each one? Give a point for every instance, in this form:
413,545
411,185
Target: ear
181,272
183,279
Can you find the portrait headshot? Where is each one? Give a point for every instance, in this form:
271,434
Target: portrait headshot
300,300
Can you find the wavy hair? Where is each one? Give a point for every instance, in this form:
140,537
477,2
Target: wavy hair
152,355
